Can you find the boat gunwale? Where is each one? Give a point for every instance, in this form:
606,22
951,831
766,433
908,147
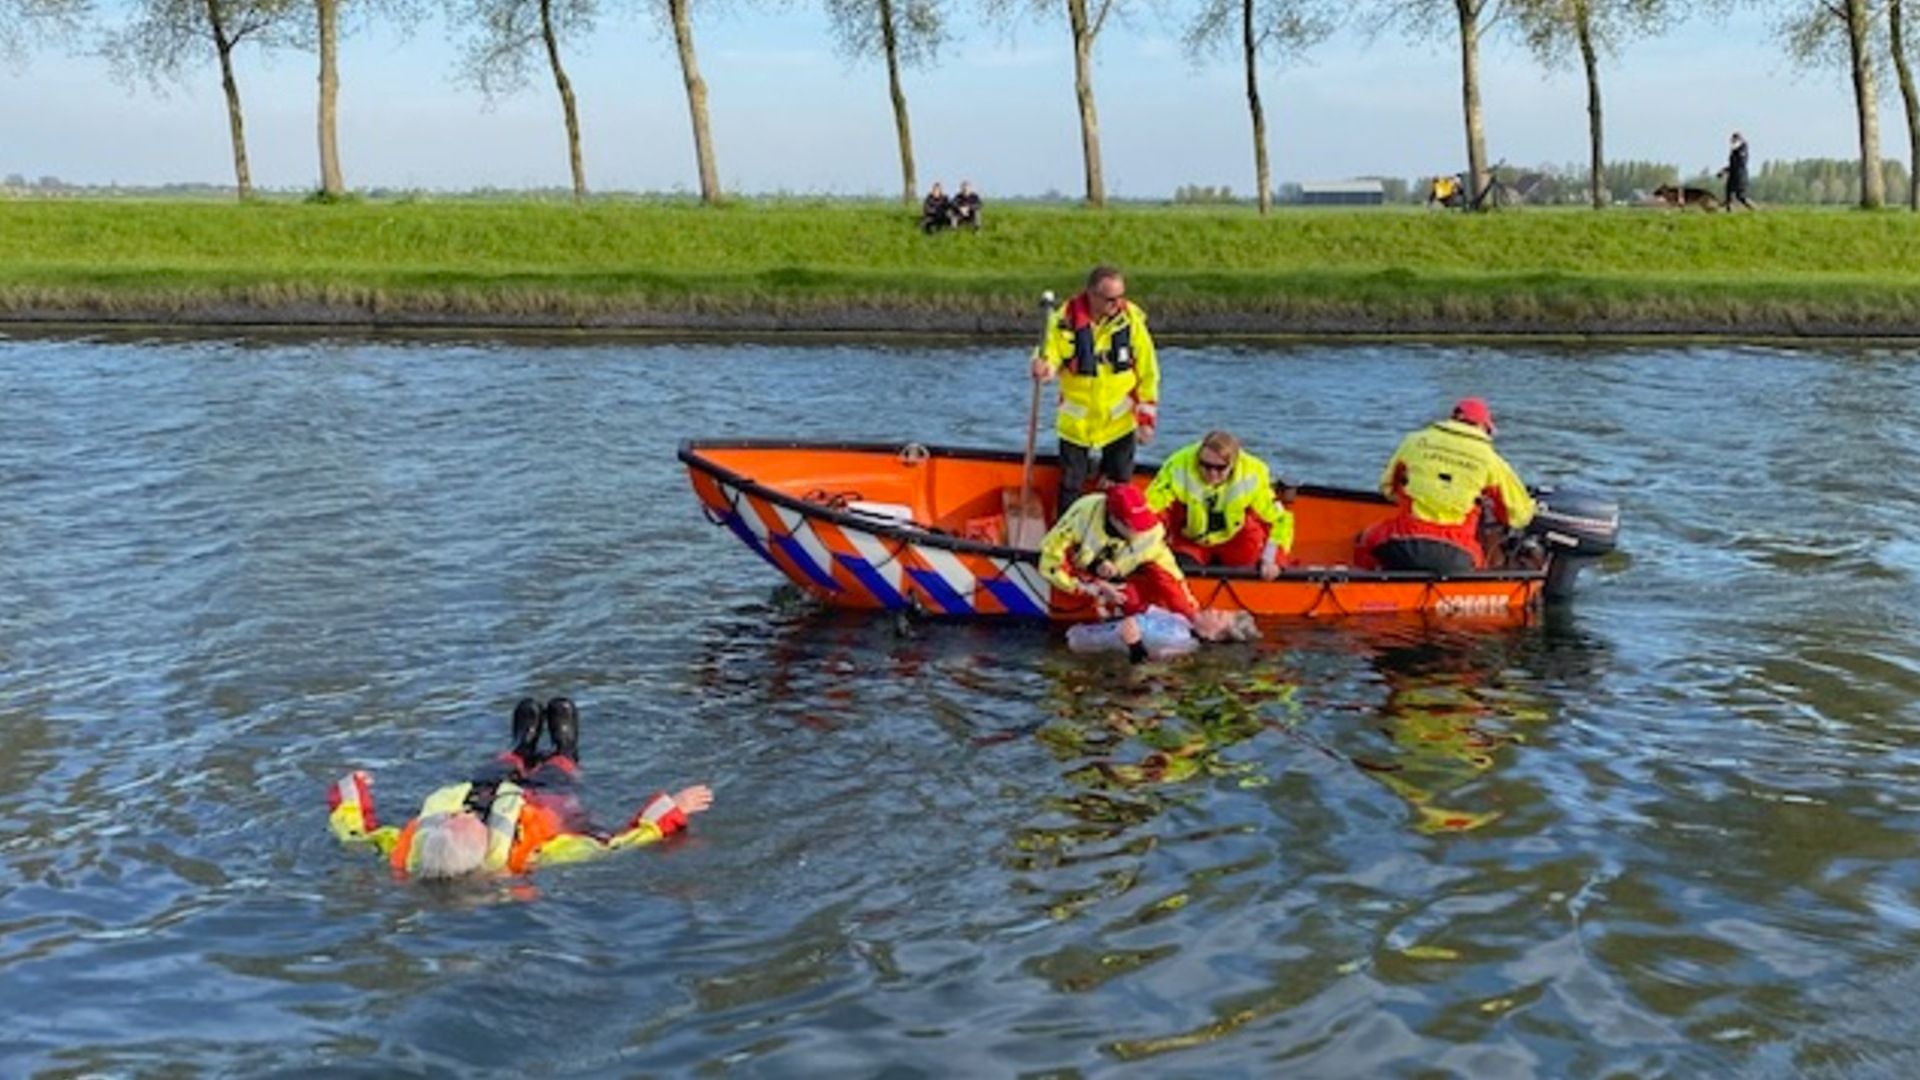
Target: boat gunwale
689,454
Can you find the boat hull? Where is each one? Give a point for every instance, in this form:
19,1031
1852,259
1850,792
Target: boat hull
896,528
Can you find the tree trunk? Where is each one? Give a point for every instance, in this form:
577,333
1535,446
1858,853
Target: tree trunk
696,101
909,186
1589,58
1083,93
560,80
1873,191
1469,12
236,127
1912,99
1250,44
331,182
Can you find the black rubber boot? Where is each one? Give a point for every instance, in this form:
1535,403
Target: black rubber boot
527,721
563,726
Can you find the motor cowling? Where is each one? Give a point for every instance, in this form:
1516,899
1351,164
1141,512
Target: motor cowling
1573,525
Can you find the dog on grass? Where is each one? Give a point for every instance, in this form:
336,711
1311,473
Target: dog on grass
1684,197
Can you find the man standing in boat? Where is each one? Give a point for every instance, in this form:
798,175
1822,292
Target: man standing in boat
1099,348
1219,507
1110,547
1439,478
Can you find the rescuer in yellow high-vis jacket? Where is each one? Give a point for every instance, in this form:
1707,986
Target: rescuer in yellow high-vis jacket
1099,348
1440,477
1219,506
1111,547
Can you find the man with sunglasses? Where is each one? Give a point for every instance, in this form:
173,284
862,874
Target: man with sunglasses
1099,348
1219,506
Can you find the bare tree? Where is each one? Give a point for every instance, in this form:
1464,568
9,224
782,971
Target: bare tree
1896,34
1279,28
327,14
1085,23
1471,17
1823,33
1555,28
682,22
503,38
164,36
905,32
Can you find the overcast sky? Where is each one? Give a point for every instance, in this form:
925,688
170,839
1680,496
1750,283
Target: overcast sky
791,115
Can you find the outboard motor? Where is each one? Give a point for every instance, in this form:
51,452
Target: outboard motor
1573,526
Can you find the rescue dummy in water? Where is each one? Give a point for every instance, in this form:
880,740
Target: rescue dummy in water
519,814
1157,633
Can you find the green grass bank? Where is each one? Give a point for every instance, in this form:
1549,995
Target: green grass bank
862,266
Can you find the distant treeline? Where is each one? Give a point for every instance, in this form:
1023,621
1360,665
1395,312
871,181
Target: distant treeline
1803,181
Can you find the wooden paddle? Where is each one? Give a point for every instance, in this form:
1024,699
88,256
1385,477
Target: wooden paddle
1026,520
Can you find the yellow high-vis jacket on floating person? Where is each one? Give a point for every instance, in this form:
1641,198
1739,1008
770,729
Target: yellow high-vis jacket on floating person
1080,541
1109,376
1442,469
1247,487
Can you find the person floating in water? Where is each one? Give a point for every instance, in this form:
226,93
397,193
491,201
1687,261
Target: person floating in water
1156,633
507,821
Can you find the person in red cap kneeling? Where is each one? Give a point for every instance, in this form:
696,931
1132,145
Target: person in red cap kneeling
1439,478
1110,546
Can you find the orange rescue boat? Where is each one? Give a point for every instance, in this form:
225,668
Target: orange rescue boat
894,527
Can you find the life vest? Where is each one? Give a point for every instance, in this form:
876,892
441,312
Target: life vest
1086,359
503,818
1109,378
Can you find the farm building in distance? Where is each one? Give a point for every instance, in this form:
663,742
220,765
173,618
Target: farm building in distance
1343,193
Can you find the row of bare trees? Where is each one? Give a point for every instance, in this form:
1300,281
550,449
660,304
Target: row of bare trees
505,41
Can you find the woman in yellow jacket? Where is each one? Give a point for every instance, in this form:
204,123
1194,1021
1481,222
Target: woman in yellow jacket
1219,506
1099,348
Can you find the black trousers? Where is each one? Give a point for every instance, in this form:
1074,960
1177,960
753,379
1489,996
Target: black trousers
1076,467
1420,553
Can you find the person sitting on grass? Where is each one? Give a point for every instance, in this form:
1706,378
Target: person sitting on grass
966,207
936,212
507,825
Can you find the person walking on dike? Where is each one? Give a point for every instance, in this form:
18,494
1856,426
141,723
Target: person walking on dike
1099,348
1736,174
1439,477
506,824
1111,547
1219,507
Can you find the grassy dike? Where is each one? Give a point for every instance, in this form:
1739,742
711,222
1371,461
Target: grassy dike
851,266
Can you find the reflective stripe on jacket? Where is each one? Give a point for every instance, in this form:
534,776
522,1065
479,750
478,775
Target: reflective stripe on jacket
1440,472
1106,368
1080,540
1224,506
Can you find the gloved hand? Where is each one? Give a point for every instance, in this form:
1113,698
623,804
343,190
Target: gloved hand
1147,416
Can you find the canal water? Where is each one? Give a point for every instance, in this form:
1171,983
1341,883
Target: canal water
1670,830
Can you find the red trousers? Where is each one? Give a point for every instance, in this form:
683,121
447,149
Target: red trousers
1241,549
1153,586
